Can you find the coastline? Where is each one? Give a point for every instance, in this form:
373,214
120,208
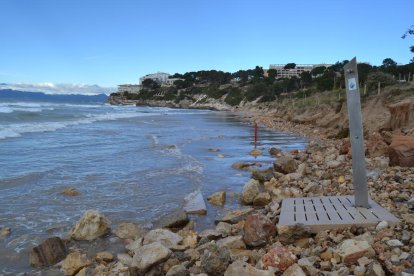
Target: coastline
322,169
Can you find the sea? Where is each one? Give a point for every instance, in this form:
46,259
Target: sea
133,164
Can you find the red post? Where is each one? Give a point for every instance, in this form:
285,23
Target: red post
255,135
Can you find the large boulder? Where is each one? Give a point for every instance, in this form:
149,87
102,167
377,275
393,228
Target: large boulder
279,257
250,191
74,262
401,151
240,268
258,229
150,255
92,225
129,231
175,219
195,204
285,165
163,236
49,252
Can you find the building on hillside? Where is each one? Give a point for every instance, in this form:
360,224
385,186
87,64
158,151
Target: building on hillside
129,88
295,72
171,81
159,77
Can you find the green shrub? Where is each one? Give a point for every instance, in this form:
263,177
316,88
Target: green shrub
234,96
384,79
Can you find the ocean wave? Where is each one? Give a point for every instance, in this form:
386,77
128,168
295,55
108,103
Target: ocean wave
16,130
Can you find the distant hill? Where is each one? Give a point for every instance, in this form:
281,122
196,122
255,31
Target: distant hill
38,96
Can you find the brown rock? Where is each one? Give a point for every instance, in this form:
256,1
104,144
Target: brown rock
74,262
345,146
279,257
49,252
262,199
274,151
91,226
375,146
129,231
4,232
401,151
236,215
258,229
240,268
218,198
294,270
104,256
400,114
285,165
351,250
70,192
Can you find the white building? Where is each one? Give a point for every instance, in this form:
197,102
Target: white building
300,68
130,88
159,77
171,81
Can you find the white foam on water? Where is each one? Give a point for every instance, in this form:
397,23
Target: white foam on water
16,130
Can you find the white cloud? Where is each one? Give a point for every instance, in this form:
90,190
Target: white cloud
61,88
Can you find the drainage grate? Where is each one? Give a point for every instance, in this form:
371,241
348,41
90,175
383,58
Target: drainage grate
328,212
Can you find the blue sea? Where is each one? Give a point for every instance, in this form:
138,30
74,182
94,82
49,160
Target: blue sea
134,164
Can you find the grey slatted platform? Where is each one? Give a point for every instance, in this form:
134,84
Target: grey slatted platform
330,212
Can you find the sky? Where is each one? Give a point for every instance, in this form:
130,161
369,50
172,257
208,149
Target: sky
111,42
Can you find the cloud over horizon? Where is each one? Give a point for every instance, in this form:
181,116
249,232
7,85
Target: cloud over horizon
59,88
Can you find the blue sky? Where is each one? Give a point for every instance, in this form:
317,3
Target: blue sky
109,42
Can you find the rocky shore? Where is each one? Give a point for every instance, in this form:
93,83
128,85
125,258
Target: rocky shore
248,241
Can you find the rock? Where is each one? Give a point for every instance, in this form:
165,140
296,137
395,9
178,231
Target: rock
104,256
408,218
294,270
401,151
178,270
382,225
374,269
290,234
49,252
215,261
285,165
195,204
124,259
258,229
232,242
149,255
4,232
307,264
375,146
394,243
242,166
262,175
240,268
341,179
74,262
190,238
70,192
351,250
128,231
333,164
224,228
175,219
235,216
274,151
92,225
262,199
164,237
250,191
214,150
345,147
218,198
211,234
134,245
255,152
279,257
220,155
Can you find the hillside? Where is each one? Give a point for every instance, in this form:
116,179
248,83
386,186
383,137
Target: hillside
8,94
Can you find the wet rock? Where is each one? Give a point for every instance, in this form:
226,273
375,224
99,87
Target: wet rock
195,204
250,191
49,252
294,270
255,152
175,219
92,225
275,152
232,242
258,229
401,151
104,256
149,255
70,192
218,198
128,231
242,166
235,216
215,261
4,232
74,262
351,250
164,237
262,199
240,268
214,150
279,257
285,165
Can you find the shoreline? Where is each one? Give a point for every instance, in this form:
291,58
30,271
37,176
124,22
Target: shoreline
321,170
